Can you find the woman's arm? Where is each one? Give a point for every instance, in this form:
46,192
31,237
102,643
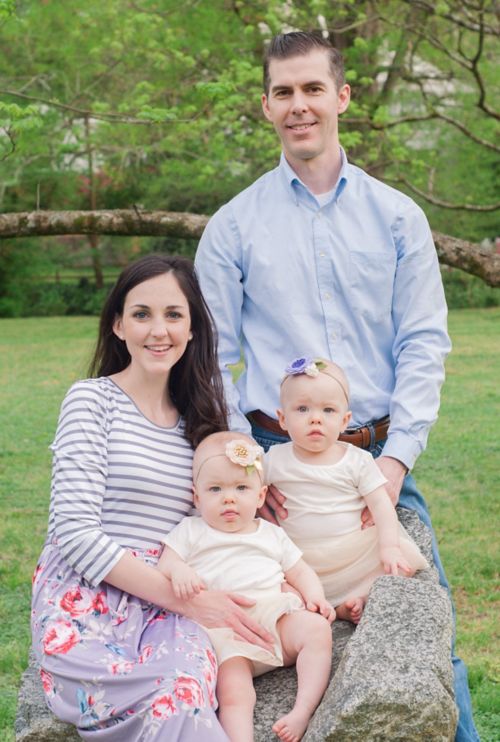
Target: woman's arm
210,608
386,521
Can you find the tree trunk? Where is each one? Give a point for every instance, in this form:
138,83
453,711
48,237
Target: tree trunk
452,251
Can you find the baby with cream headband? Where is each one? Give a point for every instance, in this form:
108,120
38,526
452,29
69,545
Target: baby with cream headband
227,548
327,484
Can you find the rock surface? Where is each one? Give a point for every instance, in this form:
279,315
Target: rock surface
392,676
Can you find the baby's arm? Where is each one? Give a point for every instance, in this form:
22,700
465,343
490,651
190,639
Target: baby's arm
304,579
185,581
386,520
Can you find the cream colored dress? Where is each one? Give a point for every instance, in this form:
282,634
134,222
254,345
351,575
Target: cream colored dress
324,504
252,564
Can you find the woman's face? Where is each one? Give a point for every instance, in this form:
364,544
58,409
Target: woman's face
155,325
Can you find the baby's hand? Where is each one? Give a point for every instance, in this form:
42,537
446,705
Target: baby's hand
186,582
319,604
394,562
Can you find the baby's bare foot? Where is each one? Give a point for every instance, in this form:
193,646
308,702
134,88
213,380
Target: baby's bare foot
291,727
351,610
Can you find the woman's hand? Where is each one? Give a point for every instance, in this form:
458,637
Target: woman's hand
273,506
216,609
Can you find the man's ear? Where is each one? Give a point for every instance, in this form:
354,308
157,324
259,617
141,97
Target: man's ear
265,108
281,420
344,97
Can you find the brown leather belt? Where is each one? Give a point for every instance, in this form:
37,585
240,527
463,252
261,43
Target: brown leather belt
360,437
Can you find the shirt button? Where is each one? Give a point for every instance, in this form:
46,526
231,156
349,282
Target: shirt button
327,295
333,336
322,255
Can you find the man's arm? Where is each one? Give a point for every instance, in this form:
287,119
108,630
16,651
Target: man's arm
420,346
217,265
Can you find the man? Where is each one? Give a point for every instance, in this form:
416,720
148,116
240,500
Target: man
317,258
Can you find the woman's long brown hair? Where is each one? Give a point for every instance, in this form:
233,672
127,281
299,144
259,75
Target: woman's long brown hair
195,383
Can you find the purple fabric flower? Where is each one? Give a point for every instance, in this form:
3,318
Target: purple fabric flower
298,366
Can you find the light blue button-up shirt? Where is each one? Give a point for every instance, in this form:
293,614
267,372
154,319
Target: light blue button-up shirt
356,280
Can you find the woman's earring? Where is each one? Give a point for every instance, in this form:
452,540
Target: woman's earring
190,336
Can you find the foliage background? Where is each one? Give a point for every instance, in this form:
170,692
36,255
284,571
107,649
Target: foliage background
155,104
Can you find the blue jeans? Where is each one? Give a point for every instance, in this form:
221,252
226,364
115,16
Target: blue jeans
411,499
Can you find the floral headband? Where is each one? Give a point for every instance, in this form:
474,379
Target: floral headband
240,452
311,367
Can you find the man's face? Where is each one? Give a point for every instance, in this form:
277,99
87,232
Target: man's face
303,105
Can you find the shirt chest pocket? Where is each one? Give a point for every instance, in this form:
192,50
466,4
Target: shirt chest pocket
371,280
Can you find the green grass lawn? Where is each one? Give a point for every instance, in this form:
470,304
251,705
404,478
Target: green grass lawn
459,474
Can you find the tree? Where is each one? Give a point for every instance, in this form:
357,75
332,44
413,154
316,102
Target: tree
150,104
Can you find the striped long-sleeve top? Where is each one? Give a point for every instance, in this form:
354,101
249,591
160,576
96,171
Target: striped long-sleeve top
118,480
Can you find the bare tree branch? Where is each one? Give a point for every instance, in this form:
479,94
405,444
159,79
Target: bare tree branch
128,222
445,204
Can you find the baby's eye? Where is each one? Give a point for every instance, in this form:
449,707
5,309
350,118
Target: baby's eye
214,488
302,408
242,487
329,409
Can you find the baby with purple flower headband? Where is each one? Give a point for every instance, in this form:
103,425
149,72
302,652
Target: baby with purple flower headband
327,483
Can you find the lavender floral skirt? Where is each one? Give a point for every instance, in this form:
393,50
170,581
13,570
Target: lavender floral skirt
118,668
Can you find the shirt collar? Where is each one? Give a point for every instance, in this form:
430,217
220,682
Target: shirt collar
295,184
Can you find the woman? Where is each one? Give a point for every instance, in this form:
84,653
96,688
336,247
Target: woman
121,657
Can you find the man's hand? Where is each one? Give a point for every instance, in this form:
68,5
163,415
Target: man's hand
395,472
273,506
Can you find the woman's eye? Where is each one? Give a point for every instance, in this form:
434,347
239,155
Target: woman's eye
174,315
140,315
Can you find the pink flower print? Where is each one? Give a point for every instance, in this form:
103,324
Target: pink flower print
99,603
146,654
60,636
188,690
47,682
78,601
164,706
121,667
210,686
212,659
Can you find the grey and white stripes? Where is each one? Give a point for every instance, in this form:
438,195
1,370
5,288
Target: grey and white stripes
118,481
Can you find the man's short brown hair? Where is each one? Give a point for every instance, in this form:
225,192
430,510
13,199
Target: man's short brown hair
296,43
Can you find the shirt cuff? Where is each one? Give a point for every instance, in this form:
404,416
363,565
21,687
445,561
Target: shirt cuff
404,448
